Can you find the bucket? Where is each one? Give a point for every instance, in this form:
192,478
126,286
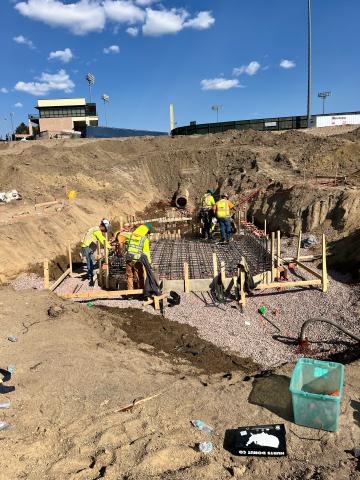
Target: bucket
316,389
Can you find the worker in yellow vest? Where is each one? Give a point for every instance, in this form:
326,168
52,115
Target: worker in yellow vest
206,212
138,245
89,244
222,211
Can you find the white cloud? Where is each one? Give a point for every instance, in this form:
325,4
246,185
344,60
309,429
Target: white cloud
219,84
145,3
46,83
123,11
250,69
112,49
287,64
84,16
4,90
18,105
63,55
202,21
163,22
24,41
133,31
80,18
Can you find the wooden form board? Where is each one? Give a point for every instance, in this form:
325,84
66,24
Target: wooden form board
102,294
60,279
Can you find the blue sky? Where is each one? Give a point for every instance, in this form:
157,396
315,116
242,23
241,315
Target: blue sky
248,56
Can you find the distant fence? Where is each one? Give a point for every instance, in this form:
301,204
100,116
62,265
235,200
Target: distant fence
262,124
107,132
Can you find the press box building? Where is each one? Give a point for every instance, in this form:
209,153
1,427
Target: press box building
62,115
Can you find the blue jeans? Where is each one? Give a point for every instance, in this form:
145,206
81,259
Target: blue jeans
225,228
90,261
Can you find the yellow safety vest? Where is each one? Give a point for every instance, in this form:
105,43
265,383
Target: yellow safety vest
91,237
207,201
223,209
138,244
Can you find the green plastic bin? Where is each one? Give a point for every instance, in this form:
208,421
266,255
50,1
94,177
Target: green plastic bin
311,381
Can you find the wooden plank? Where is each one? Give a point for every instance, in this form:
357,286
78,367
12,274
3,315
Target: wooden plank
186,278
278,249
46,204
104,294
59,280
46,274
309,269
325,281
265,227
70,259
299,283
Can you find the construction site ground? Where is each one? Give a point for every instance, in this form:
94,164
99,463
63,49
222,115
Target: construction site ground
77,365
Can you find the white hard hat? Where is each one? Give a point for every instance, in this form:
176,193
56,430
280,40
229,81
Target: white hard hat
106,223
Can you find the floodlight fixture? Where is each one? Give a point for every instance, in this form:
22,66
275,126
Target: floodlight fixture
90,78
217,109
105,98
323,96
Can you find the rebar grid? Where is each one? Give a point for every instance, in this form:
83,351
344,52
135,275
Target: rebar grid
168,257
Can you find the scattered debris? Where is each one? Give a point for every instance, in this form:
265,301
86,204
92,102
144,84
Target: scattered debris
200,425
54,311
206,447
12,338
309,242
6,197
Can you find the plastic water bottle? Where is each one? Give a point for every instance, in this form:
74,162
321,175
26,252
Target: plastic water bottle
206,447
200,425
5,404
4,425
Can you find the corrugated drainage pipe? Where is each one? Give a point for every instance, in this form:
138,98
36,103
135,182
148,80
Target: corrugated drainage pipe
303,339
181,198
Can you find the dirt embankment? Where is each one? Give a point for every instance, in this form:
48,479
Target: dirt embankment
123,176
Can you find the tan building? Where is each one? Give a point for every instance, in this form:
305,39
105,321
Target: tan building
63,115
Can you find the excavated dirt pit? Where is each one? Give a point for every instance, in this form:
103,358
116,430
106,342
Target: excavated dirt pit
177,340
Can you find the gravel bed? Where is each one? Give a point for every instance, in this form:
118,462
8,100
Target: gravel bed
269,339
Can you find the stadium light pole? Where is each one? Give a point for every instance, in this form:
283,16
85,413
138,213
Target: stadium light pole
309,66
90,78
105,98
324,95
217,108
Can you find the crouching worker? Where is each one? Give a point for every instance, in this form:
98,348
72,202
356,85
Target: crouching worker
138,246
89,245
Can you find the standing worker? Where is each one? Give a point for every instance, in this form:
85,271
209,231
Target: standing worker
206,213
89,245
138,245
222,211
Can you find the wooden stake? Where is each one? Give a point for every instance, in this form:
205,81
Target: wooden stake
325,282
106,261
186,278
278,252
239,220
46,274
242,288
272,254
265,227
298,247
222,272
70,260
215,266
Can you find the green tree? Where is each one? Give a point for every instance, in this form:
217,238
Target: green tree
22,129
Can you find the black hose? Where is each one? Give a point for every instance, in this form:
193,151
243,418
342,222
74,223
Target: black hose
331,322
